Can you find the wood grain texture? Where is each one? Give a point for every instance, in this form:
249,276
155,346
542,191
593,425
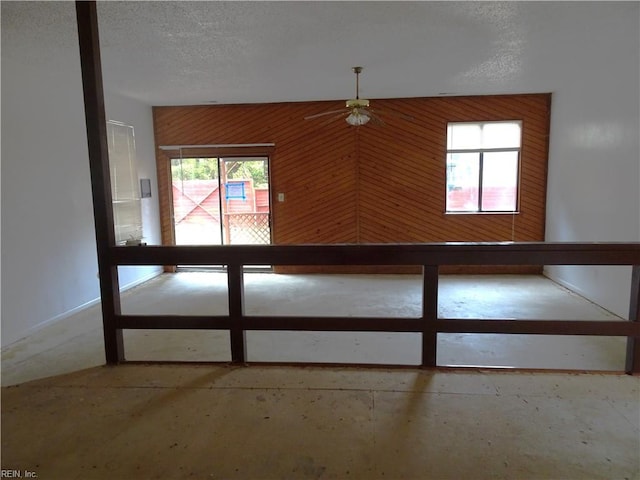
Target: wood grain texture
371,184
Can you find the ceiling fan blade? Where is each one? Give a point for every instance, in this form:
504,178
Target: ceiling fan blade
358,112
374,119
309,117
387,111
334,118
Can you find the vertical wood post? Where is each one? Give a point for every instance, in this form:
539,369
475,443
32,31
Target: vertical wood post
429,314
236,312
633,343
96,124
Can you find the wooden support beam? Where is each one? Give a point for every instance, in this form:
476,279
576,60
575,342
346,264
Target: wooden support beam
632,365
605,328
96,125
429,315
385,254
333,324
236,312
173,322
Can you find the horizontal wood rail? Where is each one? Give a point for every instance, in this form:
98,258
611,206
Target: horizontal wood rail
508,253
430,256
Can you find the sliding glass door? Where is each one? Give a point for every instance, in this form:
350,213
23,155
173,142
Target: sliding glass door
221,201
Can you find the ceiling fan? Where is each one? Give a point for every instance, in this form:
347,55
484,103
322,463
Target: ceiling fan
356,111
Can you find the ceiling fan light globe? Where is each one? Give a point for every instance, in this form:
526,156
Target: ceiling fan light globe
356,119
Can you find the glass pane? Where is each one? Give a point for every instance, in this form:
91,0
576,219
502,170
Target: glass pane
196,201
127,220
499,181
122,161
245,205
125,189
501,135
464,136
463,170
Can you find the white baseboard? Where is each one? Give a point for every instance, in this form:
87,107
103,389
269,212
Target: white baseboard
565,284
579,291
35,328
141,280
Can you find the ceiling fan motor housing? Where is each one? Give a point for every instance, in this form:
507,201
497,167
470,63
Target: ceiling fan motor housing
357,103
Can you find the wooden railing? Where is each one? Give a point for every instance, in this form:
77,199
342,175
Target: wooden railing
429,256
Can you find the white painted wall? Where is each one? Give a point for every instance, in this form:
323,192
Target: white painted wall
49,262
594,159
134,113
587,56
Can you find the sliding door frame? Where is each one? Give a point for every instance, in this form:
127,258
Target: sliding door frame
164,155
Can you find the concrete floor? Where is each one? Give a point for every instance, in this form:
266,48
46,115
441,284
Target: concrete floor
213,422
139,421
76,342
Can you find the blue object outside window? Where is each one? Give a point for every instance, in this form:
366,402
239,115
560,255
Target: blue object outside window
235,191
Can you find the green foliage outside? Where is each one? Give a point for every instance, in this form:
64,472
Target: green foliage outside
207,169
247,169
194,169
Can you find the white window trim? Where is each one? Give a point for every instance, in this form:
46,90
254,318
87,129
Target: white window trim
125,185
481,151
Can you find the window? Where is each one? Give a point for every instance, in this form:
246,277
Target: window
482,166
127,214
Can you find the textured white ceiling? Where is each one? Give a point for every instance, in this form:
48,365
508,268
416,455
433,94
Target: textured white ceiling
168,53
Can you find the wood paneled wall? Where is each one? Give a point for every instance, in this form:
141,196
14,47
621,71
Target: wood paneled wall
370,184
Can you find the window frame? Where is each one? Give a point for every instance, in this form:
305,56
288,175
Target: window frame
481,152
125,184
